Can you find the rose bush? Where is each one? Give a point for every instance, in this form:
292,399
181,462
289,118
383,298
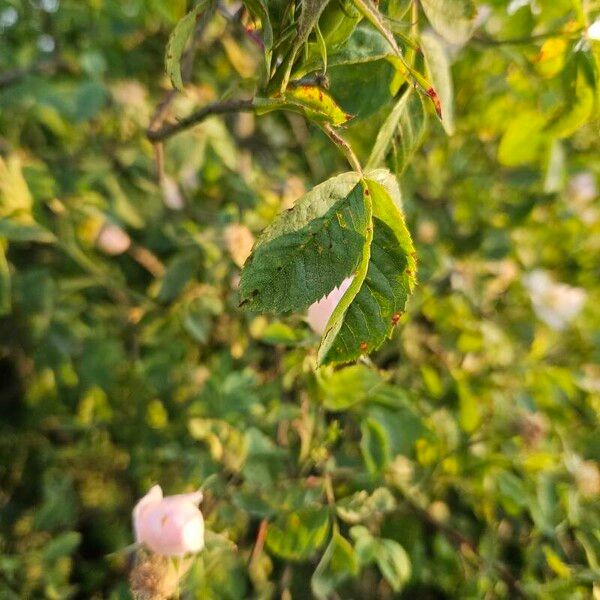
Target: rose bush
395,394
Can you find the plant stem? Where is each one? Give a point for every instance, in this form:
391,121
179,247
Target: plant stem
216,108
343,145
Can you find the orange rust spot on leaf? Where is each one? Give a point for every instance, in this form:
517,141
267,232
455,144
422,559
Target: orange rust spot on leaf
363,346
396,318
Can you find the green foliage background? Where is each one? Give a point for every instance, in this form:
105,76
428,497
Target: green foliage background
458,461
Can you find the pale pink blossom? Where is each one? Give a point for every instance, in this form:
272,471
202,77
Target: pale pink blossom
557,304
171,526
112,239
319,312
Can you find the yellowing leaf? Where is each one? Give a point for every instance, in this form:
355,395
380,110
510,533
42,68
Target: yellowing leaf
311,101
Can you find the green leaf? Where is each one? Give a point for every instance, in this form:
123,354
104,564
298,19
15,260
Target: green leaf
310,249
469,414
390,556
407,122
338,21
365,45
393,562
438,66
260,10
298,535
349,386
25,231
181,269
62,545
370,12
339,562
177,41
362,88
523,140
372,305
577,110
361,506
374,445
454,20
310,12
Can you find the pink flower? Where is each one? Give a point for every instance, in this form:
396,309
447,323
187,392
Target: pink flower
319,312
113,240
171,526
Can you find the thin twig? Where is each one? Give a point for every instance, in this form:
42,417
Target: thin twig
260,541
215,108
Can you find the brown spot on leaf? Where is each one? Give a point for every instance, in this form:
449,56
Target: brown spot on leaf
436,101
396,318
363,346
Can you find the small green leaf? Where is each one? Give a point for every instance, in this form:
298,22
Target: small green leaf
62,545
361,506
438,66
298,535
390,556
347,387
407,123
374,445
370,12
26,230
181,269
393,562
259,9
364,45
577,109
308,250
454,20
177,41
339,562
374,302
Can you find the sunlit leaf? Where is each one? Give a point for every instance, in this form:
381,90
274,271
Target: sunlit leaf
438,66
312,101
177,43
454,20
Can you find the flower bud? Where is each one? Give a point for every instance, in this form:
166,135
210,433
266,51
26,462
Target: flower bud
112,239
171,526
